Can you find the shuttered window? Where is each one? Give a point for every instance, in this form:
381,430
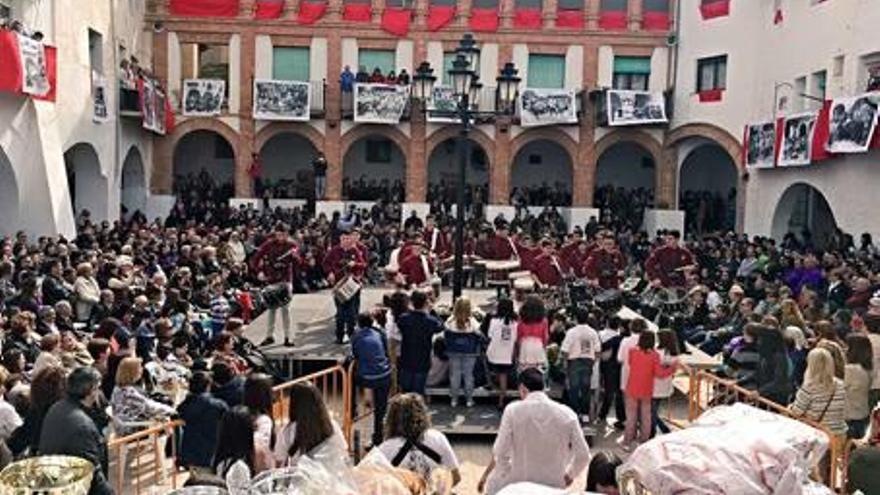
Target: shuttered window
371,59
546,71
290,64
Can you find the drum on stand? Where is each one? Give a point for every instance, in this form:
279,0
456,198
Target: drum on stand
276,295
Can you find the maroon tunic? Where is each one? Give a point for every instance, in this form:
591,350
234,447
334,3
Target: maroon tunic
547,272
276,260
663,263
603,266
337,262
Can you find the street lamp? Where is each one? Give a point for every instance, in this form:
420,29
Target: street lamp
466,90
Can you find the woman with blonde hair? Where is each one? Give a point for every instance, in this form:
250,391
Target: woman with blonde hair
410,441
790,315
822,397
463,345
130,402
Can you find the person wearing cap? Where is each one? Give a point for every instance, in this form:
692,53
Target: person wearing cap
665,265
418,268
548,269
501,247
343,261
274,262
604,266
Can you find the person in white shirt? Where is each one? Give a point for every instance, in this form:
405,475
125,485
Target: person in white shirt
539,440
579,350
502,343
9,418
667,346
410,441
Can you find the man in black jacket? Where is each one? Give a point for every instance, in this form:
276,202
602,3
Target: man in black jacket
53,286
201,412
69,430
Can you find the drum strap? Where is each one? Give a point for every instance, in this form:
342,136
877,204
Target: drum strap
408,446
425,266
556,264
434,240
513,248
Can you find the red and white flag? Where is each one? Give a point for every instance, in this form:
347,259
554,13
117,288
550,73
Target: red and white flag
28,66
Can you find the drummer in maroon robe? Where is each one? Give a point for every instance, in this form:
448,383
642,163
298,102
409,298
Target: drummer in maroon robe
569,251
548,268
666,264
274,262
528,250
501,246
344,260
604,268
418,269
435,239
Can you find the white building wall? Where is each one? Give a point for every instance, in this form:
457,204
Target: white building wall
761,55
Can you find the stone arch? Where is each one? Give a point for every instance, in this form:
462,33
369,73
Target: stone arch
162,178
365,130
542,170
86,183
664,171
549,134
9,197
206,150
802,206
451,132
286,157
132,182
400,144
299,128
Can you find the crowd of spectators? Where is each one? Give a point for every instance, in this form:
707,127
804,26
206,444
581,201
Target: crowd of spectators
17,26
348,79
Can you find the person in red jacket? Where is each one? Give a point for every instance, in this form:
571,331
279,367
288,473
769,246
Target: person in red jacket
501,246
344,261
547,267
418,269
604,268
274,263
644,366
436,240
665,266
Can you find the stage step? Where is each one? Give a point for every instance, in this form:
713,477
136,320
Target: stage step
481,419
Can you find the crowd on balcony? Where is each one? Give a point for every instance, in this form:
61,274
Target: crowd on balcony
17,26
348,79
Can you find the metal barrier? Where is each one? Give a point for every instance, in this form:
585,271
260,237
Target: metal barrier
334,384
131,447
709,390
669,413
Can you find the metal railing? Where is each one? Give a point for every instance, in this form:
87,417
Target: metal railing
131,449
334,384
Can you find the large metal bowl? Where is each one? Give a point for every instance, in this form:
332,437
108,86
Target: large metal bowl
47,475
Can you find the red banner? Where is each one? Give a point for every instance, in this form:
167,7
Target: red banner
612,20
484,20
169,117
12,73
527,18
570,18
820,133
357,12
396,21
311,12
718,8
655,21
439,16
269,9
205,8
778,17
711,95
780,123
744,149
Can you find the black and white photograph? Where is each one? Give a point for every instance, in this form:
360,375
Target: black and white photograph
35,79
379,103
99,98
547,107
203,97
281,100
761,141
148,104
443,105
851,123
627,107
797,140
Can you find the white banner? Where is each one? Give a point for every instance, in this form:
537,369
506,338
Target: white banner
851,123
34,73
99,98
797,139
627,107
443,105
203,97
761,145
547,107
379,103
148,105
281,100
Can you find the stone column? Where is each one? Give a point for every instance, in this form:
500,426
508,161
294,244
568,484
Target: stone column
592,14
664,179
549,13
506,13
246,8
634,14
161,179
332,111
334,11
378,7
464,12
244,187
417,165
420,19
584,183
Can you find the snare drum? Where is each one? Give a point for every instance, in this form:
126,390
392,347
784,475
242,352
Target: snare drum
499,271
524,284
276,295
347,289
610,300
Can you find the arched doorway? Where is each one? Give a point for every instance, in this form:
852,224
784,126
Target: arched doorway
133,183
9,212
87,186
443,174
541,174
707,189
804,212
204,165
286,167
625,177
374,167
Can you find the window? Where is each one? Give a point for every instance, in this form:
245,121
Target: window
96,52
546,71
399,4
201,61
448,58
448,3
656,6
290,63
528,4
869,72
613,5
631,73
373,59
818,83
838,65
485,4
570,4
800,89
712,73
5,11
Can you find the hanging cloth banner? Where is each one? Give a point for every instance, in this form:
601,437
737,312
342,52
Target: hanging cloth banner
760,145
627,107
655,21
439,16
547,107
269,9
357,12
379,103
570,19
203,97
281,100
443,105
28,66
852,123
311,12
204,8
484,20
718,8
396,21
527,18
99,98
797,140
614,20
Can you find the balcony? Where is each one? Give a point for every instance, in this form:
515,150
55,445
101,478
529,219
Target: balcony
129,103
632,112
